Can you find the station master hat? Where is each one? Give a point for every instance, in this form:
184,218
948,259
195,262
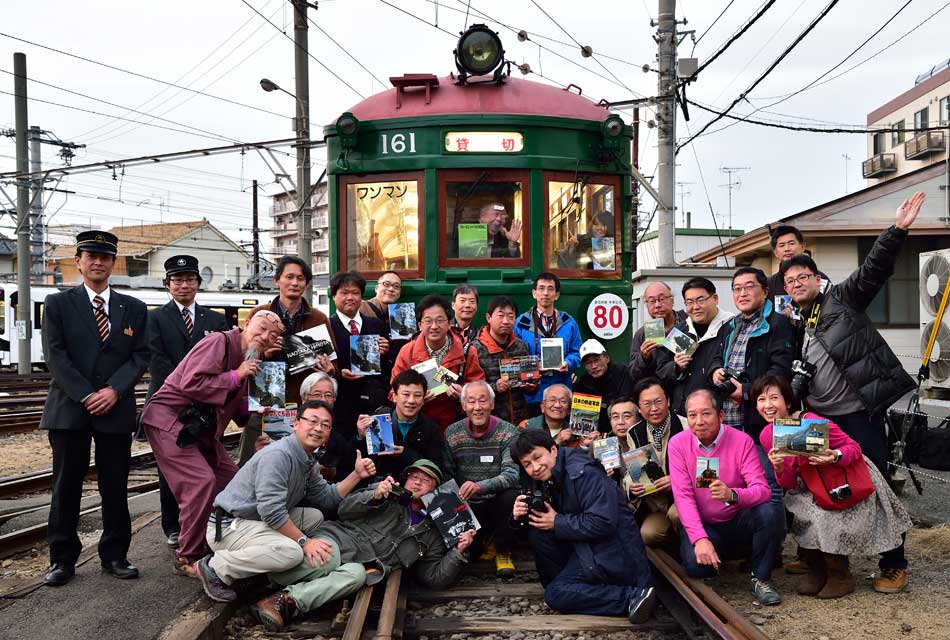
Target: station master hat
97,242
181,264
592,348
427,467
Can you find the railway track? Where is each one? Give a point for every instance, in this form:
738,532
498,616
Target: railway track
21,412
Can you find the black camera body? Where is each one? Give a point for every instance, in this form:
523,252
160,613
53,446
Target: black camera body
400,496
804,372
536,496
840,494
725,387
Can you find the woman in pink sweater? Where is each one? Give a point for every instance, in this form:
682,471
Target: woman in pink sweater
826,538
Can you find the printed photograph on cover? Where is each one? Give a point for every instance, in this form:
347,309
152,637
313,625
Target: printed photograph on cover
707,470
473,240
301,349
451,515
607,450
679,342
603,254
552,353
365,358
654,330
643,467
785,302
279,423
800,436
379,436
429,368
585,414
402,321
268,387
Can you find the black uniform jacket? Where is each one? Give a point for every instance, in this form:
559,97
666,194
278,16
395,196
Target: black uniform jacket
169,342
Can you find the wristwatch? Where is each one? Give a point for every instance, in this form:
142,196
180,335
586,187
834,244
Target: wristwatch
734,498
837,456
302,540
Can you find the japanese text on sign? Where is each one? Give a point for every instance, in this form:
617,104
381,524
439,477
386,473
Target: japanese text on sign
483,142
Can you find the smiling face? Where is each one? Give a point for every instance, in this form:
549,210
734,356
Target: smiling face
95,267
321,390
419,483
701,305
495,216
556,404
388,288
313,428
464,306
409,399
771,404
748,294
347,299
434,324
262,332
598,229
539,463
659,300
802,285
654,405
291,282
478,405
703,418
623,415
183,287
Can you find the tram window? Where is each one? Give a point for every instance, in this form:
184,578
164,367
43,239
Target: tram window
242,315
382,226
485,216
38,309
582,226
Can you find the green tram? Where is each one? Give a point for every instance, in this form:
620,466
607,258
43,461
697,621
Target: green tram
486,179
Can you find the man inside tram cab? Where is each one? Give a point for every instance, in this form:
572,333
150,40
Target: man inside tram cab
502,241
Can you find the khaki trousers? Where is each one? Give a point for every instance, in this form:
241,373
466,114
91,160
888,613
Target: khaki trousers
659,528
312,587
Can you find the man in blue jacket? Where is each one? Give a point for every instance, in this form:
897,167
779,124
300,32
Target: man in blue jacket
544,321
586,542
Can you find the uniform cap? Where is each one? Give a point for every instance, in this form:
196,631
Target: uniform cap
181,264
97,242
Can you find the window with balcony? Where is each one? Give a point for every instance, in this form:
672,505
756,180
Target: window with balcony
877,143
922,119
897,137
945,110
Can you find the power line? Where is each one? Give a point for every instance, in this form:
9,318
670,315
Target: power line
728,43
345,50
712,24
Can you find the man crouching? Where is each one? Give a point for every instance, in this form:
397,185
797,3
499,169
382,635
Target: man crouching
379,530
589,554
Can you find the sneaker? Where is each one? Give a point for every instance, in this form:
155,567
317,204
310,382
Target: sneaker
504,567
275,611
765,593
891,580
185,567
213,586
488,553
641,605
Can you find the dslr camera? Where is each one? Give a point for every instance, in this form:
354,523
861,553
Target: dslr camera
804,371
400,496
725,387
535,497
840,494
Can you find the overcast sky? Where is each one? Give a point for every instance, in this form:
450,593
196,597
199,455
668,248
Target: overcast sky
222,47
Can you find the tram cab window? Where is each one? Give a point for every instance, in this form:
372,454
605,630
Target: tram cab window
485,217
582,226
382,226
242,315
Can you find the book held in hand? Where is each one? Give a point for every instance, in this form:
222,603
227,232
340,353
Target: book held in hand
785,302
438,378
364,355
654,330
379,435
585,414
800,436
473,240
679,342
301,349
607,450
603,256
643,467
402,321
268,388
552,353
707,470
451,515
279,423
521,370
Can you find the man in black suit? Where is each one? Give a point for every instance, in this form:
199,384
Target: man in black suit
172,331
94,340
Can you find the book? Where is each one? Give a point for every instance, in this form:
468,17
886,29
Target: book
473,240
654,330
800,436
707,470
279,423
585,414
451,515
643,466
679,342
402,321
785,302
268,388
364,355
603,256
552,353
607,450
301,349
438,378
521,370
379,435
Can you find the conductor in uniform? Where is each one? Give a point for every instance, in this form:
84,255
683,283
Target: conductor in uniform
172,331
96,350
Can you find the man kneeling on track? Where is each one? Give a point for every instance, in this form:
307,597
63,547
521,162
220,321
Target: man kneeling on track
379,529
586,542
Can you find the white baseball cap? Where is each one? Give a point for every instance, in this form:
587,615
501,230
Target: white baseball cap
592,347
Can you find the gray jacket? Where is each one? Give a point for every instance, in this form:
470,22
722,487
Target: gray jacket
277,478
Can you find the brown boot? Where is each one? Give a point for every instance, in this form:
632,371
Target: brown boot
798,566
275,611
840,581
813,581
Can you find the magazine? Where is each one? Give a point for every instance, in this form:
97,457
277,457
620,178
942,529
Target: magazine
643,467
603,255
607,450
451,515
402,321
654,330
785,302
552,353
301,349
679,342
268,387
707,470
279,423
364,355
379,436
473,240
585,414
521,370
800,436
438,378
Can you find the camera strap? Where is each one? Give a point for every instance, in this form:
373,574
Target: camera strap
811,325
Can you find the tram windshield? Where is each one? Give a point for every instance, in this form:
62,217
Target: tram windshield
484,219
382,226
582,227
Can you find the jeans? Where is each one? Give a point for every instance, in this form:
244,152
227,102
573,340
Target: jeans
761,527
778,496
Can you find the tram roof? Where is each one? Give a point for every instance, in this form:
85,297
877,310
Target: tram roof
513,97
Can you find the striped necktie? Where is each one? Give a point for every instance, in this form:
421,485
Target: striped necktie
354,330
102,320
186,316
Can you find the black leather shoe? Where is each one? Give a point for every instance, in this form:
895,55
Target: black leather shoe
59,574
122,569
641,605
172,540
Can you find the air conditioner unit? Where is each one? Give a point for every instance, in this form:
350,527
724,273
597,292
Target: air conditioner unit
934,276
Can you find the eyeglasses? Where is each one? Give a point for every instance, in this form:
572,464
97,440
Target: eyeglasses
658,300
626,415
745,288
801,278
428,322
419,477
316,395
390,285
696,302
646,404
192,280
316,422
557,402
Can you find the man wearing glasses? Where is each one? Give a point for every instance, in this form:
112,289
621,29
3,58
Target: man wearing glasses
659,301
172,332
388,290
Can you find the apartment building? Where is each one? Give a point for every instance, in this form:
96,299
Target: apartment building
283,229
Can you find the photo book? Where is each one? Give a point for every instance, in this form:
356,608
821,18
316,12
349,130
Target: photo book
451,515
521,370
607,450
379,436
585,414
643,467
654,330
268,387
301,349
785,302
438,378
364,355
679,342
552,353
402,321
707,470
473,240
800,436
279,423
604,258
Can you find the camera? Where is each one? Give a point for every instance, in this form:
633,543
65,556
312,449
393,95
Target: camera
400,496
804,371
726,387
535,497
840,494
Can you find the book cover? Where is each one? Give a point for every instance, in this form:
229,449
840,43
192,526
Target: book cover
585,414
643,466
279,423
451,515
379,436
654,330
301,349
521,370
530,369
604,258
402,321
552,353
607,450
429,369
473,240
679,342
707,470
800,436
510,369
785,302
364,355
268,387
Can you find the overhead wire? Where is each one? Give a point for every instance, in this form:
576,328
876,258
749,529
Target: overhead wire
732,39
345,51
711,25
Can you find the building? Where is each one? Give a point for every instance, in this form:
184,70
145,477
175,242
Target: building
689,242
927,104
283,231
7,257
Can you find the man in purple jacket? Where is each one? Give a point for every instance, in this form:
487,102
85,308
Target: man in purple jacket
722,497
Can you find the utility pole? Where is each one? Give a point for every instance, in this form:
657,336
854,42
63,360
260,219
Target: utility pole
666,132
846,159
731,184
683,193
24,304
302,79
256,231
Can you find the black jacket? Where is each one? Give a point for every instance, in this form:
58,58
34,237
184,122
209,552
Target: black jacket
364,395
848,335
638,367
615,384
169,342
777,285
81,365
421,441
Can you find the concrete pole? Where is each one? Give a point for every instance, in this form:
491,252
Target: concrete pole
24,304
666,129
256,268
302,79
36,210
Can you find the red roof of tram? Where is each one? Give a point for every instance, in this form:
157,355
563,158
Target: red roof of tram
515,96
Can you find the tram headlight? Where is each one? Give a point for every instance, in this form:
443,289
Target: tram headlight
611,129
479,52
347,126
